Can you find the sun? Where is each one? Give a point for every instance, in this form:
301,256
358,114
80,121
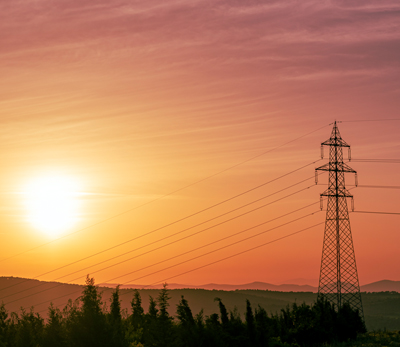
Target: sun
52,203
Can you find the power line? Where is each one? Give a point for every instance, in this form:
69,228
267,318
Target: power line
185,237
223,247
387,161
365,186
213,242
374,160
175,241
168,194
377,212
214,262
368,120
236,254
218,249
172,223
375,186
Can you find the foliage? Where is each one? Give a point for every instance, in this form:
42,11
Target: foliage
89,322
372,339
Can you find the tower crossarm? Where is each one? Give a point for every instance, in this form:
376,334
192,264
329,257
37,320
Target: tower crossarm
340,192
336,166
336,139
338,142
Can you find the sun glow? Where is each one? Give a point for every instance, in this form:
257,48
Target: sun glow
52,203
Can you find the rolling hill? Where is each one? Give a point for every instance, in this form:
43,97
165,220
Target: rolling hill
381,309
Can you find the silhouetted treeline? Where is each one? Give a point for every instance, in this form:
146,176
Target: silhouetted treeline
88,322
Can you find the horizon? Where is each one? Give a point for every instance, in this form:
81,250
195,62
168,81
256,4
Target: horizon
152,142
104,284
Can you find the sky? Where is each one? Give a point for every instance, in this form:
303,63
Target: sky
159,110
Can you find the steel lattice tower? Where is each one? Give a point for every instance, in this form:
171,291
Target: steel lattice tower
338,281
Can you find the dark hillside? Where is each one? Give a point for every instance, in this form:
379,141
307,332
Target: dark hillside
382,286
381,310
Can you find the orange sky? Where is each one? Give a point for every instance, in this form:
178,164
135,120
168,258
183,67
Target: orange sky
139,99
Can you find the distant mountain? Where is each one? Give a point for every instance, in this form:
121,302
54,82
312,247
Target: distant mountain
302,281
262,286
382,286
215,286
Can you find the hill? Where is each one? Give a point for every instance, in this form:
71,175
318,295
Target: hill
214,286
382,286
381,309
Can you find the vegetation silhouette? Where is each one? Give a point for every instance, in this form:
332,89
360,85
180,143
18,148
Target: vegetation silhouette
90,322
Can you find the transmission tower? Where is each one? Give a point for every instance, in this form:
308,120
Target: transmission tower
338,280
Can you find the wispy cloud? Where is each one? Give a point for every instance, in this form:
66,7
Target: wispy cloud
132,73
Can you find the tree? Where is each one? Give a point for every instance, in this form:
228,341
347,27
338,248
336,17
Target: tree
164,320
150,329
137,318
163,304
115,307
153,311
187,330
29,329
89,327
91,299
250,324
223,311
325,320
54,334
349,323
184,313
232,328
115,321
262,323
3,326
236,330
